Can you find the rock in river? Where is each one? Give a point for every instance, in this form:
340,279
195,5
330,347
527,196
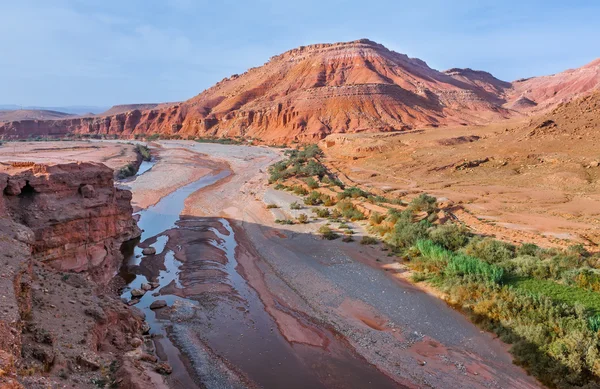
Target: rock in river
149,251
158,304
137,292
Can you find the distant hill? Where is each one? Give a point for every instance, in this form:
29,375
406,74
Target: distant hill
117,109
73,110
31,114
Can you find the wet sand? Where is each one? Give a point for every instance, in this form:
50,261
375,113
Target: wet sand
252,304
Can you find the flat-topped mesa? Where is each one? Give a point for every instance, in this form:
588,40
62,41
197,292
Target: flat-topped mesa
78,218
312,91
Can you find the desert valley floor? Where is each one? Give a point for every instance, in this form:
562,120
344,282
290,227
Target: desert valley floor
249,303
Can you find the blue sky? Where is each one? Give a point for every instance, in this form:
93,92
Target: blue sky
82,52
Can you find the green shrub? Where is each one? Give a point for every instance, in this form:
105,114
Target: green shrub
295,205
321,212
528,249
314,168
368,240
451,236
299,190
406,233
272,206
594,323
127,171
302,218
144,151
490,250
376,219
352,192
423,203
327,201
312,183
462,265
327,233
284,221
349,211
314,198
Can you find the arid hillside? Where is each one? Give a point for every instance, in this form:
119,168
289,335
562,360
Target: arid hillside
532,179
541,93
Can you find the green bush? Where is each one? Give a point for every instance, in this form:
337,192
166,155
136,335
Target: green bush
128,170
423,203
299,190
368,240
376,219
490,250
295,205
327,201
451,236
314,198
405,232
321,212
144,151
462,265
349,211
312,183
352,192
302,218
327,233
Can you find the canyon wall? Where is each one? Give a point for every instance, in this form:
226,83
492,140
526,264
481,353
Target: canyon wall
56,219
78,218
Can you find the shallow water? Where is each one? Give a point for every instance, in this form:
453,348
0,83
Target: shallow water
146,166
236,327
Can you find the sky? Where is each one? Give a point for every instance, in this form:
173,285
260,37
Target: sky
101,53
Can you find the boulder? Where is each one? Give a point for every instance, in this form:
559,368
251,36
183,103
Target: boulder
158,304
149,251
135,342
146,286
138,292
163,368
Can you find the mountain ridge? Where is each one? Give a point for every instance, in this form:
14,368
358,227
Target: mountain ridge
308,92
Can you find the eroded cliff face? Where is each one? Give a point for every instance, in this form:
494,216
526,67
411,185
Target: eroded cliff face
78,218
61,229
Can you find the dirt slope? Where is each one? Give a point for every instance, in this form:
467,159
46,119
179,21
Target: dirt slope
548,91
528,180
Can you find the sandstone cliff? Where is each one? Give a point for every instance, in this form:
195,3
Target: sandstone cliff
78,218
56,220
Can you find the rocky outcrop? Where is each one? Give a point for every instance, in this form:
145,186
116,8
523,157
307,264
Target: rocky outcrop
55,220
78,218
312,91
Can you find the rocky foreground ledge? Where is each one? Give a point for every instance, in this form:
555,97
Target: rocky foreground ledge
61,230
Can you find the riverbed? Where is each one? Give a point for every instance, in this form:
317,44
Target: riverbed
252,304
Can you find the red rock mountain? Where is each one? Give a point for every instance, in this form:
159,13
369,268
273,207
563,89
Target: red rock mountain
309,92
